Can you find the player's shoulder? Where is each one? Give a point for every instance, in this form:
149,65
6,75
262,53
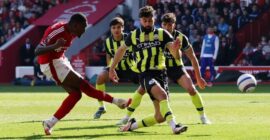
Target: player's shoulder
178,33
134,32
137,30
125,35
56,28
161,30
57,25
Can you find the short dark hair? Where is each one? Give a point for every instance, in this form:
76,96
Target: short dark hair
146,11
168,18
117,20
77,18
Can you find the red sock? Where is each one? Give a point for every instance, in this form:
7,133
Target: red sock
67,104
94,93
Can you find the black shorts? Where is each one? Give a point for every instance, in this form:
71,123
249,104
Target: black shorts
154,77
126,75
174,73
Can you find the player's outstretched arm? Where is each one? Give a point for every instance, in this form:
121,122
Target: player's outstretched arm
191,56
117,58
45,49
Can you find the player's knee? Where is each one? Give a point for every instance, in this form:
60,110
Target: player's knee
78,96
141,91
163,96
192,91
100,80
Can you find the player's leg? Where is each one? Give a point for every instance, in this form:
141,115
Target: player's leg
137,96
63,73
162,112
74,80
156,84
186,82
146,122
100,85
160,92
136,100
66,106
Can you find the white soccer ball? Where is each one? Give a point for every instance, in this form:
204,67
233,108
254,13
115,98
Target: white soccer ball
246,83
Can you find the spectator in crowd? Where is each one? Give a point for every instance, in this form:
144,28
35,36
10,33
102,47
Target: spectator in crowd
223,51
223,27
225,14
243,19
192,33
209,53
254,12
171,6
257,58
266,5
27,53
188,17
159,5
197,46
247,51
266,52
178,15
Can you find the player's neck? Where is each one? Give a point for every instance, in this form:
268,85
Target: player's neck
117,38
68,28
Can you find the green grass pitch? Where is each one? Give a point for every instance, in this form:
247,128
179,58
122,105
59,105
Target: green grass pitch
235,116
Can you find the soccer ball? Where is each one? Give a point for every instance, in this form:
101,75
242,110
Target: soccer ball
246,83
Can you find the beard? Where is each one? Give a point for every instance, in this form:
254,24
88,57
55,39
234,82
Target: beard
147,29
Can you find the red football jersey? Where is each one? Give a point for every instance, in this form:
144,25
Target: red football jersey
51,35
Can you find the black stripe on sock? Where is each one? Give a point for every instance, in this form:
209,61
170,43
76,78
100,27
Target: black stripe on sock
200,109
167,114
144,124
130,109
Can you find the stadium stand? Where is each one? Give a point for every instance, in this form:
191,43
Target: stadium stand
236,22
16,15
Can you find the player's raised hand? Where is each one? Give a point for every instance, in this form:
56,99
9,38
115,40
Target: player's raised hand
113,75
201,83
60,42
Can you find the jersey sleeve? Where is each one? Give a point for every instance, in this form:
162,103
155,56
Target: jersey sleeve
50,37
45,40
185,43
167,38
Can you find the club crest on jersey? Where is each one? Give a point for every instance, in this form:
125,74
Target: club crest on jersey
152,81
156,37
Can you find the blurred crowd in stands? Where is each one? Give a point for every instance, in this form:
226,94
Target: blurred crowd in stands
193,18
16,15
255,54
226,16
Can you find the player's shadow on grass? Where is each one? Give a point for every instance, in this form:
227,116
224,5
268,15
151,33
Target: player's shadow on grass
70,120
199,135
76,137
64,137
88,127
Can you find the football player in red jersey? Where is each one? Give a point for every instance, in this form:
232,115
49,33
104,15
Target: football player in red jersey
53,63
